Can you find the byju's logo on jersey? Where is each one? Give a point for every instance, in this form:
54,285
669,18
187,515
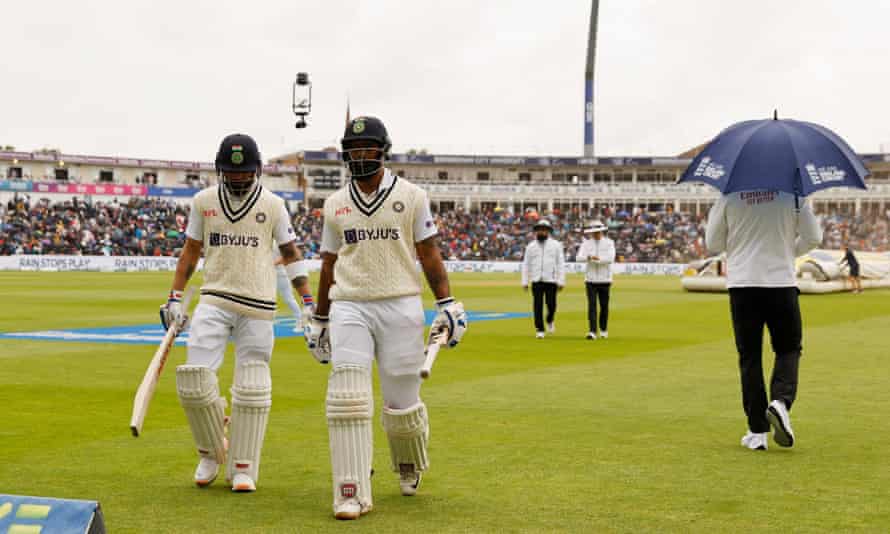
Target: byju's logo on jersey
354,235
709,169
233,240
824,175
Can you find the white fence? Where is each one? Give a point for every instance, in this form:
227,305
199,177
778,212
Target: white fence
163,263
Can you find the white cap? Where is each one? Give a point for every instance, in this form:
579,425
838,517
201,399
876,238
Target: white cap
595,226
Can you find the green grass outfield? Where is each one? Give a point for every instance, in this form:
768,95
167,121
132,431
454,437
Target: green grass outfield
638,433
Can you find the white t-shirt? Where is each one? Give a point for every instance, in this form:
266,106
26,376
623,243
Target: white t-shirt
762,235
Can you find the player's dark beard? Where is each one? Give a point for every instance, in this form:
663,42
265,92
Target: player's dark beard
239,188
364,169
542,237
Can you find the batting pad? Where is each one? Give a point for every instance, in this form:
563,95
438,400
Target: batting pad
199,396
251,402
408,431
349,410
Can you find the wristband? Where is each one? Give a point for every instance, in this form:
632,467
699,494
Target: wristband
307,300
175,296
441,304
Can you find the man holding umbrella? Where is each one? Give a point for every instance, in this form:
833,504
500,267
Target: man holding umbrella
599,253
763,168
543,264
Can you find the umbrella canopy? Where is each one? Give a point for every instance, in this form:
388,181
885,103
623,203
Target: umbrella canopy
796,157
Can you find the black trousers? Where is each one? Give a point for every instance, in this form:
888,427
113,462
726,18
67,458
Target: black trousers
542,291
597,290
777,308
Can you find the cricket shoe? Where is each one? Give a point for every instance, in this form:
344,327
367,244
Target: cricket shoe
755,441
604,334
207,471
590,335
409,482
777,415
350,509
539,335
242,483
551,327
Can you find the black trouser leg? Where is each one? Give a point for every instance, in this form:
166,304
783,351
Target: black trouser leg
538,305
550,295
747,324
785,332
591,306
603,292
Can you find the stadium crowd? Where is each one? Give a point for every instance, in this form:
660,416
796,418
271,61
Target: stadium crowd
155,227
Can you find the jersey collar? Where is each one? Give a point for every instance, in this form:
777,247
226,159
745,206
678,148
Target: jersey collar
370,204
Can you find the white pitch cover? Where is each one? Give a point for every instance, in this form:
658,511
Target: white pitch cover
408,431
251,402
349,410
199,396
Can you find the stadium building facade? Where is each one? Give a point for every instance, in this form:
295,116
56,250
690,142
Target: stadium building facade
468,182
476,182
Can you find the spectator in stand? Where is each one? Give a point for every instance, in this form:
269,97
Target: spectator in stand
155,226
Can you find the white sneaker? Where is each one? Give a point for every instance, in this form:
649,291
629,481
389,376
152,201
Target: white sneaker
590,335
243,483
350,509
551,327
777,415
755,441
207,471
539,335
409,482
604,334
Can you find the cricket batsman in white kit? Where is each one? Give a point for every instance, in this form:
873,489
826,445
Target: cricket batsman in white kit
235,223
375,229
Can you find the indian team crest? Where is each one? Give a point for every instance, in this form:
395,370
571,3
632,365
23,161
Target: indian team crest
237,154
358,126
398,206
261,217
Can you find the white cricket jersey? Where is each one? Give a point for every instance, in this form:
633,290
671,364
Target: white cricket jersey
239,272
374,236
762,235
598,271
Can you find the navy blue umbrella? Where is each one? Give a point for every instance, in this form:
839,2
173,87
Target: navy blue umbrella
785,155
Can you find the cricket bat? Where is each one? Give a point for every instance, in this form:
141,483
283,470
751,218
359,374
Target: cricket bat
432,350
153,374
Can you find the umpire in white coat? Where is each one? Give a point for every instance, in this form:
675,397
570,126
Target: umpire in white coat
543,265
598,251
762,233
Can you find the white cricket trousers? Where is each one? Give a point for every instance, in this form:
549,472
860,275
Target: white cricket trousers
388,330
210,329
286,292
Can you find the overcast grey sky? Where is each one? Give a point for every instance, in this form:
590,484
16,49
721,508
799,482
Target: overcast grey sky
168,79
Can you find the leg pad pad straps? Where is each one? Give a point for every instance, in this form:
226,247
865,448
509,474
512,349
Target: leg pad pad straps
198,391
349,411
408,431
251,403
